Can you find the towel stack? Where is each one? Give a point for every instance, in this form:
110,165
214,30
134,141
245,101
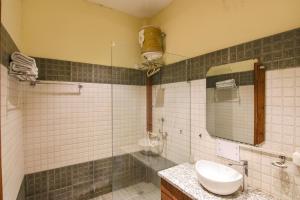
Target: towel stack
24,67
230,83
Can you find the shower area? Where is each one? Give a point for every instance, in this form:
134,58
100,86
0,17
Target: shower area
87,131
150,126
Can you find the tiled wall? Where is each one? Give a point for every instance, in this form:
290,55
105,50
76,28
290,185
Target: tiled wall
275,52
282,130
61,70
85,180
282,133
129,117
63,127
22,194
8,46
11,135
176,115
153,165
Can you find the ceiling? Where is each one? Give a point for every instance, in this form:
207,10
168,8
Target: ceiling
137,8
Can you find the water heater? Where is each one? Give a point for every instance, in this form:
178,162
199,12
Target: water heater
151,41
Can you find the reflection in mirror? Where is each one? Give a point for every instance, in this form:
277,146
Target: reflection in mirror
230,101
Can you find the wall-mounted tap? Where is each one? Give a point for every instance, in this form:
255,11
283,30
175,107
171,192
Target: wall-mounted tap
244,164
164,134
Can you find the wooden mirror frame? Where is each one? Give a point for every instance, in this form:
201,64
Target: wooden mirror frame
149,104
259,106
259,103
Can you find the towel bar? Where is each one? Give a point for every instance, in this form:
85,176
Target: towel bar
34,83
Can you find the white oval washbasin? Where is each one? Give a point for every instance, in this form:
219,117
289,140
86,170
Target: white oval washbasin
218,178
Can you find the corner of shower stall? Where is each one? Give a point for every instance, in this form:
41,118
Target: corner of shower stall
140,152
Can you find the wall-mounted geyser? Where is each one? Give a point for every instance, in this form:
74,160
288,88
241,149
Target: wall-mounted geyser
151,41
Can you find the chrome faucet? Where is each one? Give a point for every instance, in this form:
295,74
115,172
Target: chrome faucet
244,164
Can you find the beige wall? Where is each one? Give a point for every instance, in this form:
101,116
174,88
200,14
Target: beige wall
79,31
195,27
11,18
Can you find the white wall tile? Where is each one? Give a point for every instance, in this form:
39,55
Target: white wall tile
63,128
11,135
129,117
176,115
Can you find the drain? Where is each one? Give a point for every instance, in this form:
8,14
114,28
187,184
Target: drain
141,192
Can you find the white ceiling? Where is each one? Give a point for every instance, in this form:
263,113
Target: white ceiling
137,8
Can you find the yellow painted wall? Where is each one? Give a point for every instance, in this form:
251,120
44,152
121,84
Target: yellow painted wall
11,11
79,31
195,27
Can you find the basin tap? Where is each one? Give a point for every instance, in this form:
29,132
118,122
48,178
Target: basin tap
244,164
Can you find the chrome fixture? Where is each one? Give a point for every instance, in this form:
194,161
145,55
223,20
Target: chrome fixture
163,134
34,83
244,164
161,131
281,163
152,66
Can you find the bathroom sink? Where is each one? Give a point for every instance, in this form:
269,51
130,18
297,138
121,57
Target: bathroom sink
218,178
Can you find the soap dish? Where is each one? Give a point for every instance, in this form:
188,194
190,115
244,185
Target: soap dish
281,163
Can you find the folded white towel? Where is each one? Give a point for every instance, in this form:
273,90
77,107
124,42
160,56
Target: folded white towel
31,78
23,59
27,69
229,81
226,84
31,67
22,77
26,78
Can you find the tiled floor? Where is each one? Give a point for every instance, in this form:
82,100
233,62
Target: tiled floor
145,191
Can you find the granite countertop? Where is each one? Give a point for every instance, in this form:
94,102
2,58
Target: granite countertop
184,178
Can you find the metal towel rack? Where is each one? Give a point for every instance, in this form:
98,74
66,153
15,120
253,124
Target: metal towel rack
34,83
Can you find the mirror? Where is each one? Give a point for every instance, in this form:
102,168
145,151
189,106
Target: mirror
235,102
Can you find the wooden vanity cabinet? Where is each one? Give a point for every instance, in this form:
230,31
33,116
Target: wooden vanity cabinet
169,192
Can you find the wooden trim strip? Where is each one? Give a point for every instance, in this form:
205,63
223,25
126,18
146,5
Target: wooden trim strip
259,104
149,103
